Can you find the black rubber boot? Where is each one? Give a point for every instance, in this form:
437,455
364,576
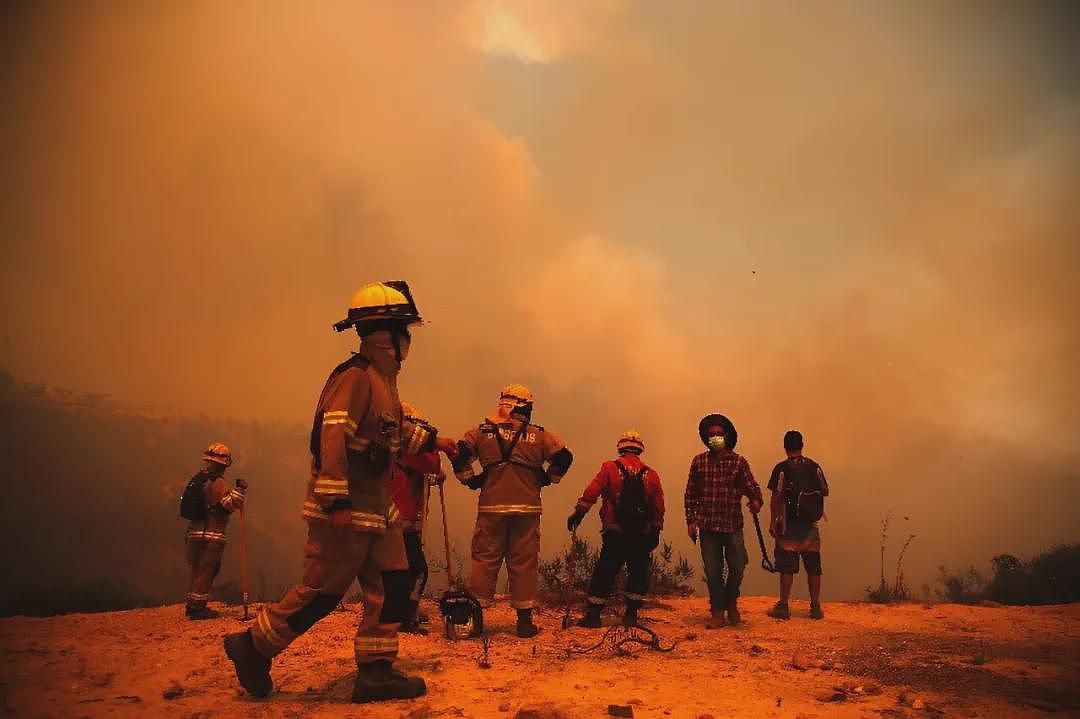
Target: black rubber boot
630,617
378,681
525,627
201,612
591,618
413,627
252,668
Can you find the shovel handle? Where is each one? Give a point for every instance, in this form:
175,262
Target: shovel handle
446,537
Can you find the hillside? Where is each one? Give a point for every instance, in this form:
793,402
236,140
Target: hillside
862,661
91,497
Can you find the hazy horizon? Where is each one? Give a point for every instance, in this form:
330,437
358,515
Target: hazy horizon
856,220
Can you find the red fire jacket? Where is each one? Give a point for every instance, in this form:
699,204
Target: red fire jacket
608,484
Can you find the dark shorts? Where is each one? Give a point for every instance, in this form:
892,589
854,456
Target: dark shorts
788,562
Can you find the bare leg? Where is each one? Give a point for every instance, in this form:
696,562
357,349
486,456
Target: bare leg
786,581
813,582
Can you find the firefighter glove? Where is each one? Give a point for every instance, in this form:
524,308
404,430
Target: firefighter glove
477,481
241,484
574,520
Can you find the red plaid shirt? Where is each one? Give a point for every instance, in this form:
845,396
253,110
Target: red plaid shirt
713,490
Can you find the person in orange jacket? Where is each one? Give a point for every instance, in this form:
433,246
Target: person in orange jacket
357,434
207,503
631,516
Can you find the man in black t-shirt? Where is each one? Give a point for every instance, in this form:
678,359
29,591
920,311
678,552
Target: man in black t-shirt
798,490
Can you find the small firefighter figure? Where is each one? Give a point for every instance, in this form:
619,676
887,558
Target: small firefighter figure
207,503
357,434
512,453
631,517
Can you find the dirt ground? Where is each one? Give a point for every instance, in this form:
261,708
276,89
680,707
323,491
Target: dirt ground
861,661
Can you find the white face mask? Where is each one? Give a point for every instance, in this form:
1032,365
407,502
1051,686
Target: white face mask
716,442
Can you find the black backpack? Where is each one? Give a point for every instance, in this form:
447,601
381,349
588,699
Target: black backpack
193,500
633,508
803,494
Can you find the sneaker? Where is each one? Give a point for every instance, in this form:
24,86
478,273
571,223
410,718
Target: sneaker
252,668
203,612
733,616
590,619
379,681
815,612
779,611
716,619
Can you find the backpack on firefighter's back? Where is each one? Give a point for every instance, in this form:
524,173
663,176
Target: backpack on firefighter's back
193,499
804,497
633,508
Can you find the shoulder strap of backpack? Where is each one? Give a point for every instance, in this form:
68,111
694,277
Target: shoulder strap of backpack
625,472
513,442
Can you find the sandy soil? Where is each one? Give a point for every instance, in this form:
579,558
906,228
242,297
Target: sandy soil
861,661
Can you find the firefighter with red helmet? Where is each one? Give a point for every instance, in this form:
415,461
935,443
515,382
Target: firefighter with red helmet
631,517
357,434
206,503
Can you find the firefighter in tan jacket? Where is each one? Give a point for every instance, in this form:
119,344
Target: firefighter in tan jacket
357,433
207,504
512,453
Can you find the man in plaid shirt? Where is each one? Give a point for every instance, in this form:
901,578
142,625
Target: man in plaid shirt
718,479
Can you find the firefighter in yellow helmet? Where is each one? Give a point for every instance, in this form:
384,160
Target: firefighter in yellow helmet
517,459
357,434
207,503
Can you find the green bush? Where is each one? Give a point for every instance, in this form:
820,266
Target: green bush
1052,577
961,586
569,572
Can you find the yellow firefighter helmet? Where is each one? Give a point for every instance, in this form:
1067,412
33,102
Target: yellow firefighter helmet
390,300
631,440
516,399
219,453
516,391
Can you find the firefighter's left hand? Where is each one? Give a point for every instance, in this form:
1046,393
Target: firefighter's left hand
447,446
436,479
755,506
241,484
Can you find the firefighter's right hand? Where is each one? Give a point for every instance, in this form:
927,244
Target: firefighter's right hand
692,530
447,446
574,520
341,518
241,484
772,529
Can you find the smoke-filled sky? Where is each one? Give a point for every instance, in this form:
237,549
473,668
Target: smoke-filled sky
857,219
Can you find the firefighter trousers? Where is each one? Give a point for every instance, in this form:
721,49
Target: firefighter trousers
619,548
514,538
204,560
333,558
403,587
